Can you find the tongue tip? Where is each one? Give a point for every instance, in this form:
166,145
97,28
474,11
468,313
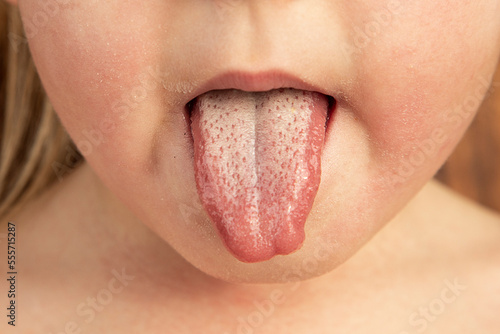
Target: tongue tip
248,253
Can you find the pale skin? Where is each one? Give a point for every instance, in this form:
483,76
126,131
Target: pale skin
380,255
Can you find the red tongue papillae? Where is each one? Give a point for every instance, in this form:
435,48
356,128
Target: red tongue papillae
258,165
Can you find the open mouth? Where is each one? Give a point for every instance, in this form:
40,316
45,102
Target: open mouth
257,159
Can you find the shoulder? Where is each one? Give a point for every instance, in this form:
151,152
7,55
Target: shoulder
474,229
470,240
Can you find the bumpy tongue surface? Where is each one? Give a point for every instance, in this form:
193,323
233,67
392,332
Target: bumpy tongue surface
258,164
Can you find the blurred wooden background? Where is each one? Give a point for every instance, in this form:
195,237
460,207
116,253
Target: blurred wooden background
474,168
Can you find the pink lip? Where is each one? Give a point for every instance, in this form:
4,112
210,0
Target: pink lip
255,82
259,82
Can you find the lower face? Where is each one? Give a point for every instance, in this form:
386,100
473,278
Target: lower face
405,77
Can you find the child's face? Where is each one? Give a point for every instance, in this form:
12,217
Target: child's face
407,77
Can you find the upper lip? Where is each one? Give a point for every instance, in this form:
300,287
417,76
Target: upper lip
254,82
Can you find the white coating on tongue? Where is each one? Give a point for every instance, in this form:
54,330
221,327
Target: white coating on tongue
257,162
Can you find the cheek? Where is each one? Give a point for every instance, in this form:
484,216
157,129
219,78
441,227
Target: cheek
106,72
424,75
94,71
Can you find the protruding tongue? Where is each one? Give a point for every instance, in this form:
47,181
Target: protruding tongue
258,164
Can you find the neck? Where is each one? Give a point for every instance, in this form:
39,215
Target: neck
113,238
